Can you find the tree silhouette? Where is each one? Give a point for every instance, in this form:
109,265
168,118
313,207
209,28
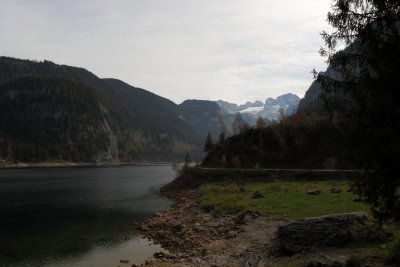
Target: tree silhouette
239,125
209,144
261,123
367,82
187,161
221,138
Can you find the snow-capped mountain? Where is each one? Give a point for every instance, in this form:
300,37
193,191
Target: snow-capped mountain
269,110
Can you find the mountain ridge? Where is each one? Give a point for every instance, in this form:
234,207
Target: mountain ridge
269,110
58,112
43,118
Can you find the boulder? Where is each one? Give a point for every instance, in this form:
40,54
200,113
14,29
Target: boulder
256,195
313,192
328,231
336,190
246,216
199,228
313,263
231,234
174,224
159,255
217,246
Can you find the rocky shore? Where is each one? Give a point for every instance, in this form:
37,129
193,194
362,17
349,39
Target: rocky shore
193,237
196,238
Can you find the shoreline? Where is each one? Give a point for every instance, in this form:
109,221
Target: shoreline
40,165
193,237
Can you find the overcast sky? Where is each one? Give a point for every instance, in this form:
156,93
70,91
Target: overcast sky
236,50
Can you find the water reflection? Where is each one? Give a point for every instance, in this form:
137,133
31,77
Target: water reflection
136,250
48,215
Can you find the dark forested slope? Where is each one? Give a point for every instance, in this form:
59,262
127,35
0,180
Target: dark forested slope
300,141
204,117
50,111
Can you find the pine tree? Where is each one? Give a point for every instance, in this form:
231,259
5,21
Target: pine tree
368,82
261,123
187,161
239,125
209,144
221,138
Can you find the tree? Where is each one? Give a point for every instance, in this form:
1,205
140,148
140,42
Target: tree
261,123
209,144
239,125
221,138
282,114
187,161
368,82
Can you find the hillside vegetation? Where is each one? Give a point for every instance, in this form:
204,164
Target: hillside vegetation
300,141
57,112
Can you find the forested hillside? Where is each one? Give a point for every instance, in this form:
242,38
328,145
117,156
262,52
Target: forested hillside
300,141
57,112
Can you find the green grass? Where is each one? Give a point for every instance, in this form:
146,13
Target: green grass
282,199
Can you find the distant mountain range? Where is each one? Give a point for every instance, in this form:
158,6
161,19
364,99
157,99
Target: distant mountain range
57,112
270,110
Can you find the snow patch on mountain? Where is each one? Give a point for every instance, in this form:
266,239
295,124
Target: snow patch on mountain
271,109
253,110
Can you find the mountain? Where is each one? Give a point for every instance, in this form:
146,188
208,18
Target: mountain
227,108
269,110
286,103
311,100
204,117
249,104
58,112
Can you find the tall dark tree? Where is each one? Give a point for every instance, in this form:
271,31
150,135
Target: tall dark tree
261,123
221,138
209,144
368,82
187,161
239,125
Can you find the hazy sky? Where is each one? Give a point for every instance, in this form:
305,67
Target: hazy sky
236,50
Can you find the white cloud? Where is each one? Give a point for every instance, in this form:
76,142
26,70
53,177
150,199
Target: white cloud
236,50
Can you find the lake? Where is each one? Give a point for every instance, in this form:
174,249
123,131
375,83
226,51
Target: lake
78,216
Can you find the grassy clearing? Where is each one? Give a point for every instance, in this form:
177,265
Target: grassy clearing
282,199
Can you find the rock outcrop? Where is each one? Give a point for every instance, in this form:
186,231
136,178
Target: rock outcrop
329,231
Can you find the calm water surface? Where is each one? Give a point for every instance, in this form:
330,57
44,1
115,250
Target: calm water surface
78,216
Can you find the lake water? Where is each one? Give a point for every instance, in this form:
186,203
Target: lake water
78,216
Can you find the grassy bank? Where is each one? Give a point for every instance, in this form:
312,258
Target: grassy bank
192,178
282,199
